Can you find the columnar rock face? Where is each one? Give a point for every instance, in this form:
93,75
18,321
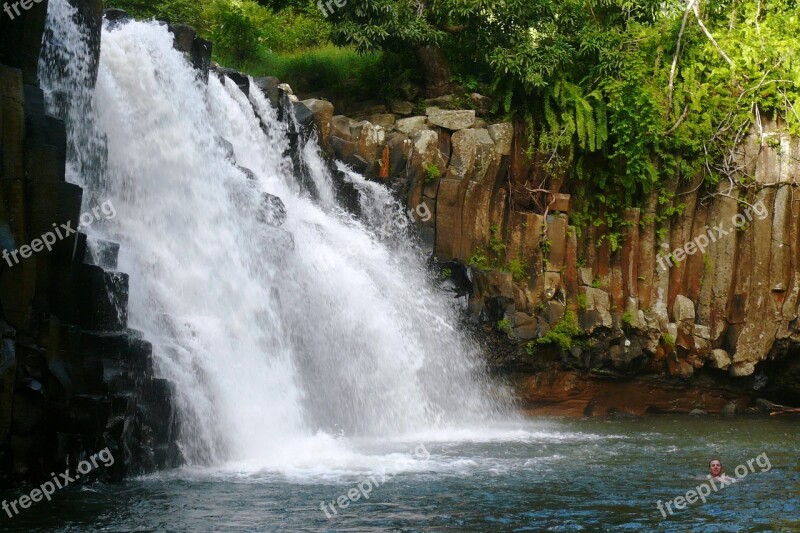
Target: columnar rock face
73,378
711,291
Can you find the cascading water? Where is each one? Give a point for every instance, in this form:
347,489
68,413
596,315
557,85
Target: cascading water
284,343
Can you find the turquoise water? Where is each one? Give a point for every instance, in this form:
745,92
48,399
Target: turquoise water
548,475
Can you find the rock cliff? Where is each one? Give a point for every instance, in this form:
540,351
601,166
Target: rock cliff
701,291
73,378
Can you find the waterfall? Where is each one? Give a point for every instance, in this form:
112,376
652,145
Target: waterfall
290,327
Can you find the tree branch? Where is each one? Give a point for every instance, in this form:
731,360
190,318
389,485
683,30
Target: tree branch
708,34
674,68
453,29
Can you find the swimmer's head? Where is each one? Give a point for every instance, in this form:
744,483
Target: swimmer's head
715,467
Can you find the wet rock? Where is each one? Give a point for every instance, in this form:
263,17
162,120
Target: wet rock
303,115
624,353
200,57
227,148
272,210
116,15
697,413
323,118
729,410
241,80
492,295
183,37
399,152
269,86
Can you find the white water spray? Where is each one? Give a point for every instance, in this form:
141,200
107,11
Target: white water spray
282,342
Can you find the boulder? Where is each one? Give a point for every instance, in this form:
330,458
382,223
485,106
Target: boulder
401,107
384,120
368,138
272,211
342,127
492,292
503,136
719,359
597,312
450,120
183,37
323,118
241,80
683,309
410,125
116,15
269,86
482,104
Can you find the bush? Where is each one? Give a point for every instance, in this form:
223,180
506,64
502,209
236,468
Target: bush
563,332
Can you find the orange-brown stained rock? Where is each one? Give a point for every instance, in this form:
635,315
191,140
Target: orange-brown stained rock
602,255
681,233
444,144
647,251
630,256
384,170
695,269
477,206
557,235
571,270
497,212
724,263
448,219
760,325
617,298
520,165
560,203
791,236
565,393
780,273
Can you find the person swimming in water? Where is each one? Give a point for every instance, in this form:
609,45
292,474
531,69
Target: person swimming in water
715,469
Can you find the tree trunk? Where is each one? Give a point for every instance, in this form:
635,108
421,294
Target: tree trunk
436,70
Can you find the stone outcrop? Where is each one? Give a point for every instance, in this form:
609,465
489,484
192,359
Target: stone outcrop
74,379
656,304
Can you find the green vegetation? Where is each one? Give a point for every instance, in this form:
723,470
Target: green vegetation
629,318
622,96
504,325
432,173
479,260
290,40
562,333
583,302
518,269
446,273
669,340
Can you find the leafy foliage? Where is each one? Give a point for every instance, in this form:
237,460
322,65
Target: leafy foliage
563,332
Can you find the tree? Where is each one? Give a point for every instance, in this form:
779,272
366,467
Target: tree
441,32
